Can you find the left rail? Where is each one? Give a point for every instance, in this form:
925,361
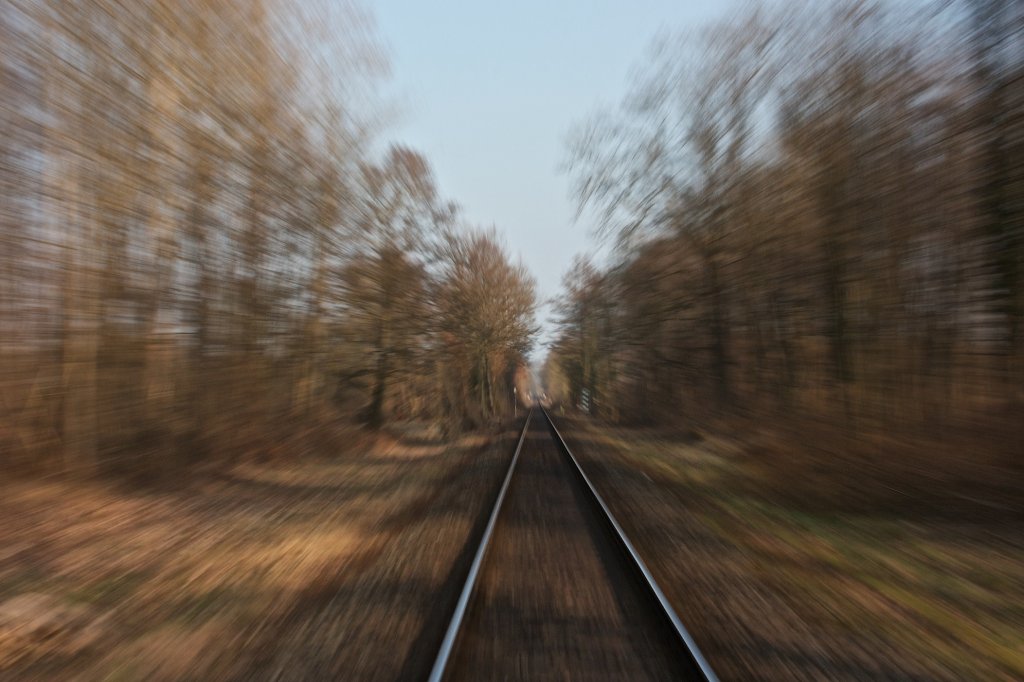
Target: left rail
452,633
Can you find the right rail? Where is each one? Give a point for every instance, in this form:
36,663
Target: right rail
700,664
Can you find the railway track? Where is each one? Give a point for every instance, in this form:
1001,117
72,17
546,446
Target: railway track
556,590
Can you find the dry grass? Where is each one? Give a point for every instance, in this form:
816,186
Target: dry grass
805,563
212,580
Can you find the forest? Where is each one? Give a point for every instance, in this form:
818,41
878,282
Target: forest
815,215
206,245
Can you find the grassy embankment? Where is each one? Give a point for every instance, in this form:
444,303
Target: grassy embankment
327,566
827,557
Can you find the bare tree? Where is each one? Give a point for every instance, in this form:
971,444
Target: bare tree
808,202
486,309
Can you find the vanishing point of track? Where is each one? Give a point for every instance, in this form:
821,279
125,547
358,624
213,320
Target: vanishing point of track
556,590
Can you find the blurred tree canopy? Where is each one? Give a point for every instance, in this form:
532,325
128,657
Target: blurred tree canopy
201,248
815,207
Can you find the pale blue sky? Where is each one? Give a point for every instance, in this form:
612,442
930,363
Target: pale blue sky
489,90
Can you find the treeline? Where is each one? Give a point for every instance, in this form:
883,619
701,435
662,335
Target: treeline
817,209
201,250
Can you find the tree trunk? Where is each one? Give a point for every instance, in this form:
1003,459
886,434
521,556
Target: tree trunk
719,333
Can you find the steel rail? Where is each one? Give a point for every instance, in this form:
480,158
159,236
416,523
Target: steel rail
448,644
681,633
